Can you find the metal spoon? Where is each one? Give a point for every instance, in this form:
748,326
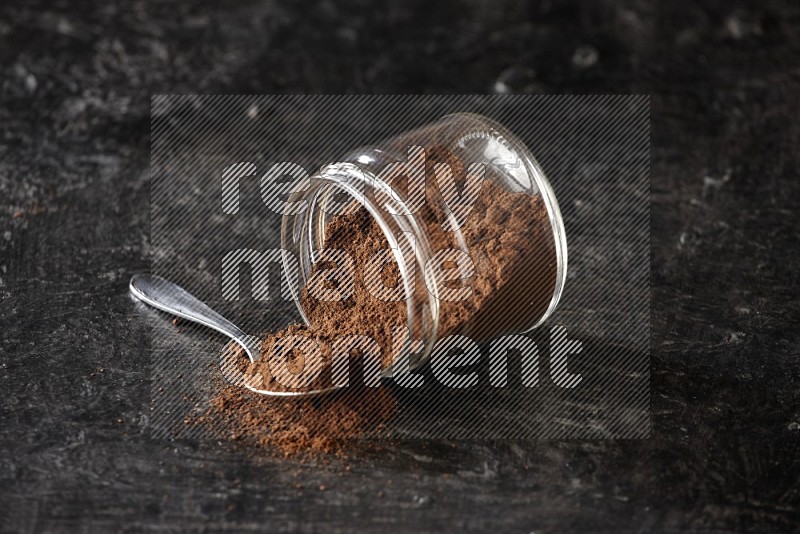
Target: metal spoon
172,298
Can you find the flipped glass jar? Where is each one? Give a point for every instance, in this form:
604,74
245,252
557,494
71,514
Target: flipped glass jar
471,220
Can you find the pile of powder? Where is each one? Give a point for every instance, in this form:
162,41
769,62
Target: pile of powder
509,239
326,423
304,427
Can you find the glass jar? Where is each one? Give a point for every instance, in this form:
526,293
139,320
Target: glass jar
511,228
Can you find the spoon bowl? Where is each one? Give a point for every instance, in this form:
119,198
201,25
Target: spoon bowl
171,298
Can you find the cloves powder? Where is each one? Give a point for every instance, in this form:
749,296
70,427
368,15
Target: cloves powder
511,245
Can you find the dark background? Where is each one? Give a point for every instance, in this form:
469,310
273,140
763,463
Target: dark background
76,80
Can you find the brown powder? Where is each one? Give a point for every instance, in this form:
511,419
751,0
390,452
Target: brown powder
300,427
510,243
509,240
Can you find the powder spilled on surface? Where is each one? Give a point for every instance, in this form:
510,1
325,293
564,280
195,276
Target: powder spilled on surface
301,427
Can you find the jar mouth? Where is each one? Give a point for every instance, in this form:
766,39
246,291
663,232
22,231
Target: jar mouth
516,162
303,235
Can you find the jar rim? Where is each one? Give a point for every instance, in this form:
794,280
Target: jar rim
347,177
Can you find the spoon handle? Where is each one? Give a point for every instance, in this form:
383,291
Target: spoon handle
172,298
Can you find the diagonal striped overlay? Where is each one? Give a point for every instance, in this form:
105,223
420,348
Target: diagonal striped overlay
583,374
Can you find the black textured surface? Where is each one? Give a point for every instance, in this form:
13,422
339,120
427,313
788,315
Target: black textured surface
74,126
